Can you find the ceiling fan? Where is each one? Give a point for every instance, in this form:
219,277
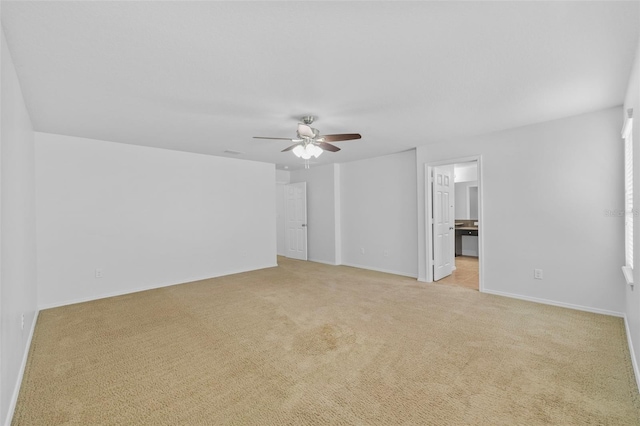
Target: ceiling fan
310,143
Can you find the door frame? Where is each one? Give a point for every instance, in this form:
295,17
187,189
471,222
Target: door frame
428,168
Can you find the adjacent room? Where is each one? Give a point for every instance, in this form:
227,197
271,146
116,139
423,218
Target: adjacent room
367,213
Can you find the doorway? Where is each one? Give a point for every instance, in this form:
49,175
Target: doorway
464,233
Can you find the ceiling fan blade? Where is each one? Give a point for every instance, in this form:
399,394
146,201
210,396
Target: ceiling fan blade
328,147
290,147
305,131
279,139
341,137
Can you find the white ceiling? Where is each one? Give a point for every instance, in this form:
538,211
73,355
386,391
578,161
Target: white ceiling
207,76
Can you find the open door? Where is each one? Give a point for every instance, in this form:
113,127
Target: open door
443,221
296,220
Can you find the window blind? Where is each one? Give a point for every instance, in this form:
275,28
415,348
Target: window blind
627,134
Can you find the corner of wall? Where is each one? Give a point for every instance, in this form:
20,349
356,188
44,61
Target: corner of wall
420,208
18,281
632,354
283,177
23,365
338,214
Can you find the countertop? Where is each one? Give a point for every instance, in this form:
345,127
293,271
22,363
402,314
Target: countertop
467,228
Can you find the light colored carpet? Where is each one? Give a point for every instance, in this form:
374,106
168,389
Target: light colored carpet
307,344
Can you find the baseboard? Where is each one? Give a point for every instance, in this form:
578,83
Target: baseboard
324,262
632,353
554,303
23,366
386,271
145,288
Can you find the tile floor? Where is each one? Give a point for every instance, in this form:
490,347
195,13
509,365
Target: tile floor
465,274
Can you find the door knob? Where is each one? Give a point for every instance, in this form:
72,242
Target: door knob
304,224
451,227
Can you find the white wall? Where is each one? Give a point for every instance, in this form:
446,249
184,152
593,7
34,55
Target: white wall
379,213
465,172
462,199
147,217
546,188
322,203
17,227
632,296
466,175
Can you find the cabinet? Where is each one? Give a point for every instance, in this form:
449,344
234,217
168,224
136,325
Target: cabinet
459,234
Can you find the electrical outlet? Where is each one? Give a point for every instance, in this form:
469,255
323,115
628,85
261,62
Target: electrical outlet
537,274
385,253
98,272
361,250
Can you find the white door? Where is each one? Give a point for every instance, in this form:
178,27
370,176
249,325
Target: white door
295,214
443,222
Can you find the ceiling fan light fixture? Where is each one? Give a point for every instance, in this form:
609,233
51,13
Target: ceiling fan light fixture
315,150
308,151
298,151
